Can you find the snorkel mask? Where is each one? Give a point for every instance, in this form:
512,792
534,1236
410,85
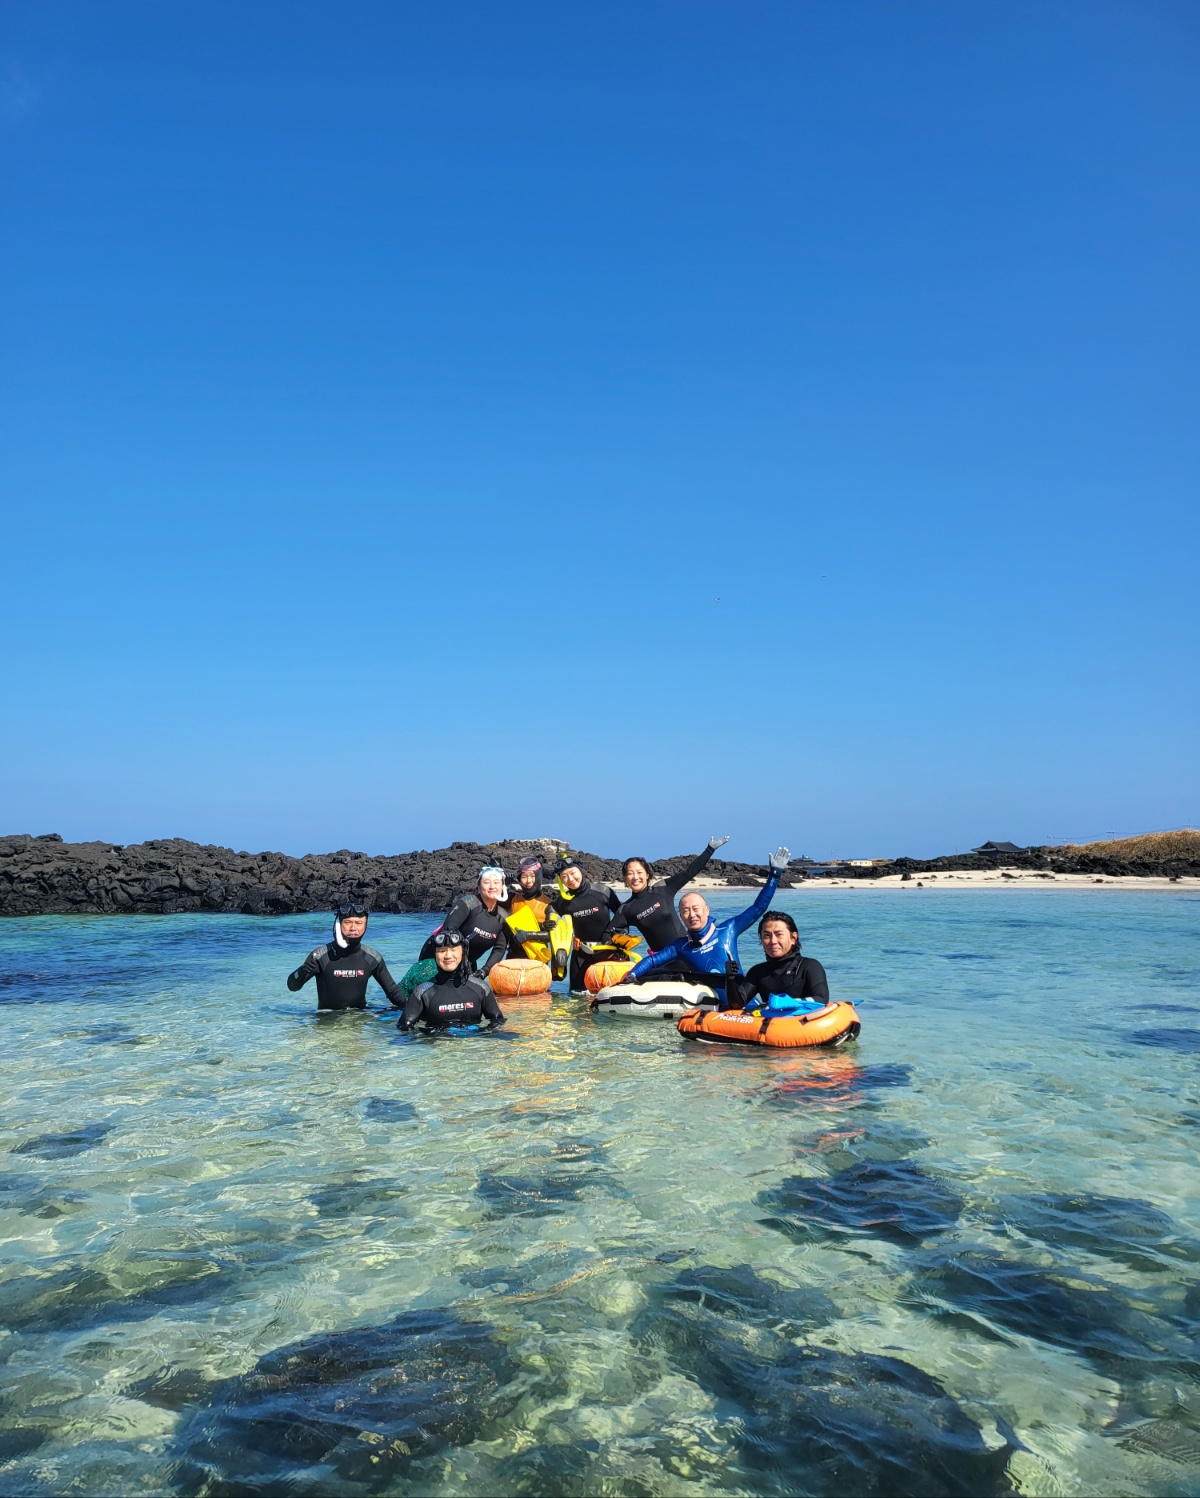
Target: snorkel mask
347,907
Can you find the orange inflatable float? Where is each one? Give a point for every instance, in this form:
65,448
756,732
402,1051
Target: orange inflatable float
519,978
829,1026
605,974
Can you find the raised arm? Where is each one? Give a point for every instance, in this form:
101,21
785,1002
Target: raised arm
676,882
777,863
309,968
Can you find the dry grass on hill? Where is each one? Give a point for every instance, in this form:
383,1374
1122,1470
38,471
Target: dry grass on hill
1154,846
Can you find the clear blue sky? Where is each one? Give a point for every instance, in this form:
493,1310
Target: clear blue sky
815,383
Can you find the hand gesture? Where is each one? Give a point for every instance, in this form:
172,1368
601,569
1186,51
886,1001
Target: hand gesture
716,842
778,860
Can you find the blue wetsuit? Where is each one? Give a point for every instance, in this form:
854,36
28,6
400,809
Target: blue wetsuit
709,950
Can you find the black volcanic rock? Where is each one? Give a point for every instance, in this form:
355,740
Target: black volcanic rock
45,876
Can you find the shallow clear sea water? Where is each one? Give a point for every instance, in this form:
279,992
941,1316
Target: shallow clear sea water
244,1248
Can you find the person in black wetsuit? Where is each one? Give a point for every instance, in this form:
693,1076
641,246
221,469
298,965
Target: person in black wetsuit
787,982
650,908
344,967
456,996
591,907
480,918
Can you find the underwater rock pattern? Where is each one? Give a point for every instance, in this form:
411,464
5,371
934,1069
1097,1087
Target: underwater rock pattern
892,1199
808,1419
78,1296
352,1409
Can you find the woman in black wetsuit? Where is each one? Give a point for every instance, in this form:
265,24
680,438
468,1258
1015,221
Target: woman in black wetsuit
650,908
456,996
480,918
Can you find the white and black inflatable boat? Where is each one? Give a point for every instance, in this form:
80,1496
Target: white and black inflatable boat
666,999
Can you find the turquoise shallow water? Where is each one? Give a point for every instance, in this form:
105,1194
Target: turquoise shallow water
246,1249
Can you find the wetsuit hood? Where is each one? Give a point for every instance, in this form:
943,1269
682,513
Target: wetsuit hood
344,943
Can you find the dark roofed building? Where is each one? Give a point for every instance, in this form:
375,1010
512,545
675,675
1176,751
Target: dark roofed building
997,848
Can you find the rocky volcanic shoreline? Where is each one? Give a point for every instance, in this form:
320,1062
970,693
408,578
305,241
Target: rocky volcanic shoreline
45,876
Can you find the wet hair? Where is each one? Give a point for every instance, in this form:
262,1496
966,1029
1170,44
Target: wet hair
637,858
782,918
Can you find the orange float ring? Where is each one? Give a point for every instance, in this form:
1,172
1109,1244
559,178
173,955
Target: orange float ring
829,1026
605,974
519,978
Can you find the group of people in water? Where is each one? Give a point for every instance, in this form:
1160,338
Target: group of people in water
447,987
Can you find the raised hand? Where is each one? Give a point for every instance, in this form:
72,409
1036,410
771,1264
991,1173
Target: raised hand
778,860
717,842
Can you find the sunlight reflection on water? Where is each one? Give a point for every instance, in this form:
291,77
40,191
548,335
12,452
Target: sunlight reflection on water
246,1240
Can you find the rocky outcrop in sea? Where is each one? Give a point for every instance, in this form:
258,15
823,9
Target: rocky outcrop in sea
46,876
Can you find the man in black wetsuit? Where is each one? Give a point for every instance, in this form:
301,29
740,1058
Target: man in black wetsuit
591,907
455,997
787,982
480,918
344,967
650,908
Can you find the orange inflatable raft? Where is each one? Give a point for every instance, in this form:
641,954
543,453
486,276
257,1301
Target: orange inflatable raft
829,1026
519,978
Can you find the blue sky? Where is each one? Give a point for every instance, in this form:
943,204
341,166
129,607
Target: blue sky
813,387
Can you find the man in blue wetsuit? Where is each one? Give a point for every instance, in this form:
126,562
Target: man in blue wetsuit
708,946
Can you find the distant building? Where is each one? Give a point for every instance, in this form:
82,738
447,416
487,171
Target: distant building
992,849
867,863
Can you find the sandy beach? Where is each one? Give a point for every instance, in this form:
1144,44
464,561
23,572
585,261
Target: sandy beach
1000,878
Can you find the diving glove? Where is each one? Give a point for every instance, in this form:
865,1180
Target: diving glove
778,860
716,842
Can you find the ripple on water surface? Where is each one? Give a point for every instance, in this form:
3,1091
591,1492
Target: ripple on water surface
247,1249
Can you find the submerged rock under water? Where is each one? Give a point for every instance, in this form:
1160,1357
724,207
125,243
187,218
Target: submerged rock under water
892,1199
1065,1308
1124,1229
808,1419
352,1410
76,1295
64,1146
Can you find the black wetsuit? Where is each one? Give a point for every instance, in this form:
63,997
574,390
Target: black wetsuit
591,908
653,912
485,932
796,976
451,999
342,975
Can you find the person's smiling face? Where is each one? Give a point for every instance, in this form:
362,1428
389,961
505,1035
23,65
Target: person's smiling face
777,940
693,912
